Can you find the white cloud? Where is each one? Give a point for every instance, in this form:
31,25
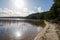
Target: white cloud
18,12
25,10
14,12
39,9
0,9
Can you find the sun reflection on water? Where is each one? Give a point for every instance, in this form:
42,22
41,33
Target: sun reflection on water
18,34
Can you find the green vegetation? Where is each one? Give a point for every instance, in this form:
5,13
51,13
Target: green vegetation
53,15
38,16
37,22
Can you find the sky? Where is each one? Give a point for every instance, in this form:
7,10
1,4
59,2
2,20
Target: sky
23,7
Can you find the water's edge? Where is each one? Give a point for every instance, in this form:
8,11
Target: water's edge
50,32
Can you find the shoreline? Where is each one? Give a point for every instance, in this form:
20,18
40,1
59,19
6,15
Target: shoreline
50,32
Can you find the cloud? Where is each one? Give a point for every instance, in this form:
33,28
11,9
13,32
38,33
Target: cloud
39,9
18,12
14,12
0,9
25,10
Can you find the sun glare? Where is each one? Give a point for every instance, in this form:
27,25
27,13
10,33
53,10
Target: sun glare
20,7
19,3
17,34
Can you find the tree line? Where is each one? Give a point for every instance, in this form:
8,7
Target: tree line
53,15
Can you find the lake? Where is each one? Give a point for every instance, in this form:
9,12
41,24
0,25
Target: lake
18,29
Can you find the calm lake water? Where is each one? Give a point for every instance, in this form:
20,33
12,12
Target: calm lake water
18,30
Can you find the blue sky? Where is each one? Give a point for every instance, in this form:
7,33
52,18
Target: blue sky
45,4
31,5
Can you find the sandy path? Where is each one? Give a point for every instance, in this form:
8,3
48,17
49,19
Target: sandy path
50,32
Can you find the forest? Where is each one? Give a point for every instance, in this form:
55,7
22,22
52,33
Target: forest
53,15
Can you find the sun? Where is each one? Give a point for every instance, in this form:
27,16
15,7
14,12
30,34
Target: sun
17,34
19,3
